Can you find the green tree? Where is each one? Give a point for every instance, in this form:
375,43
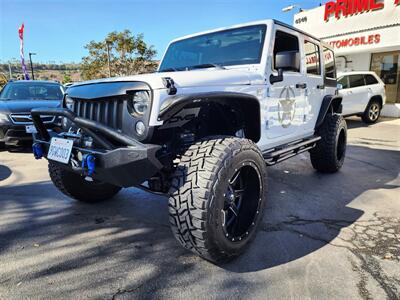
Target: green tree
3,80
129,55
66,78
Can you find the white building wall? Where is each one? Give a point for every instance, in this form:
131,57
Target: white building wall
355,62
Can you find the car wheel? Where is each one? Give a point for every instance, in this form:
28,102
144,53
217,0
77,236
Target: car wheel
329,153
75,186
217,197
372,112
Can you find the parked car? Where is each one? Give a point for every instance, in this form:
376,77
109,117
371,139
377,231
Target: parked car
17,99
363,95
223,106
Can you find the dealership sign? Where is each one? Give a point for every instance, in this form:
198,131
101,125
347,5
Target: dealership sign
352,7
356,41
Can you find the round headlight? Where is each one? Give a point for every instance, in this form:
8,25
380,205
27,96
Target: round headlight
69,103
141,101
140,128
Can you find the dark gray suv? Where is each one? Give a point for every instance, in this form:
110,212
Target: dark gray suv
17,99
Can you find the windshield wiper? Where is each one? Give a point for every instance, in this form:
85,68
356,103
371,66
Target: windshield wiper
168,70
205,66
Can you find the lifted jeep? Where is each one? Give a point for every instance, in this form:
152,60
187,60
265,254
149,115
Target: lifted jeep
223,105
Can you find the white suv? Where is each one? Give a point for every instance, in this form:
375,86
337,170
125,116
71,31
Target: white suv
363,95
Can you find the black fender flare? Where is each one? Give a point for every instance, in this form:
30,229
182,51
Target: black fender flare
334,101
249,106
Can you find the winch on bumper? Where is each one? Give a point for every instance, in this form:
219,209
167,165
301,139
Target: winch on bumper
124,166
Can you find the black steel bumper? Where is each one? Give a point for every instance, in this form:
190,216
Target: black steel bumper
125,166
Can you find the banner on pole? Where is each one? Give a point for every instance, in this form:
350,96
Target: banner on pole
21,51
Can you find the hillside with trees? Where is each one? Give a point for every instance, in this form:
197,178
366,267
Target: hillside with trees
62,72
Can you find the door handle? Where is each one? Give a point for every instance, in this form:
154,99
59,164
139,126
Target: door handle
321,86
301,86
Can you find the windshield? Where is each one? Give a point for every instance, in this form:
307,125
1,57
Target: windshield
238,46
31,91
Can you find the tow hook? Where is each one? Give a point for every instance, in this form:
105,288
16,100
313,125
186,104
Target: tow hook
37,150
88,166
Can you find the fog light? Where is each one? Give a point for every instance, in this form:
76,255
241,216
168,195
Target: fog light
140,128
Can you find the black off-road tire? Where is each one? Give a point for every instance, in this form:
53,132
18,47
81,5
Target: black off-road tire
198,197
75,186
372,112
329,153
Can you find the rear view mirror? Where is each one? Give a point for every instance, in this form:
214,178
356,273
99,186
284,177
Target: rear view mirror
285,61
288,61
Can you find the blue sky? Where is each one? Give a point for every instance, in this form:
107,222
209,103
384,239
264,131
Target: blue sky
57,30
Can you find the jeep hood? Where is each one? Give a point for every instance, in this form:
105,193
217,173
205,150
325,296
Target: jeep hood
185,79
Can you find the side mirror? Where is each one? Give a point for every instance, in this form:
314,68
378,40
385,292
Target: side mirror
278,78
339,86
285,61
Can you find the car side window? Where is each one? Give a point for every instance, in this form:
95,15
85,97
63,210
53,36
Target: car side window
313,61
356,80
285,42
344,81
369,79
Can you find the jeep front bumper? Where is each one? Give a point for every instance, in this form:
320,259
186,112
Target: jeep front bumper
124,166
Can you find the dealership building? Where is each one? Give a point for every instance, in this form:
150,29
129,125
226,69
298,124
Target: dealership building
365,35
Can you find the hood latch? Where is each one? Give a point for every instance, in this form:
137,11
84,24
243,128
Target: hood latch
170,85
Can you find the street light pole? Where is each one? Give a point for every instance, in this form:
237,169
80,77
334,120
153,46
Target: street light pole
30,59
9,69
108,58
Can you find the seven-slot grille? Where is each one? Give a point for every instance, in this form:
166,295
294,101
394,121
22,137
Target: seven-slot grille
106,111
27,119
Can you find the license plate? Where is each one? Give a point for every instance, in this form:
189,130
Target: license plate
30,129
60,150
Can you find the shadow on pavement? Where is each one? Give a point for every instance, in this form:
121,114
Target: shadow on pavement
354,122
25,149
305,212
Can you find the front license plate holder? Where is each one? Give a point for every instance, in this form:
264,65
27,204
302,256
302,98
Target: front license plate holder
60,150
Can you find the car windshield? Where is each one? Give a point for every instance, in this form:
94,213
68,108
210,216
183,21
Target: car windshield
31,91
237,46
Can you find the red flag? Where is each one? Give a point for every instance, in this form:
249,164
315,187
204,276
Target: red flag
21,51
21,31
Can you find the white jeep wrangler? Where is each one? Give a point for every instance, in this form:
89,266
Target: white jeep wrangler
223,106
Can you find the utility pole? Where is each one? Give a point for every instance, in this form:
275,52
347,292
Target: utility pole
108,58
30,59
9,70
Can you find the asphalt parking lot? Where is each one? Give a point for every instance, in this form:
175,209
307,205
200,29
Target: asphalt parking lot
322,236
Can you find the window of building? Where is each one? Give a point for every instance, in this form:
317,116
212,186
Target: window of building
313,65
286,42
329,63
356,80
369,80
387,66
